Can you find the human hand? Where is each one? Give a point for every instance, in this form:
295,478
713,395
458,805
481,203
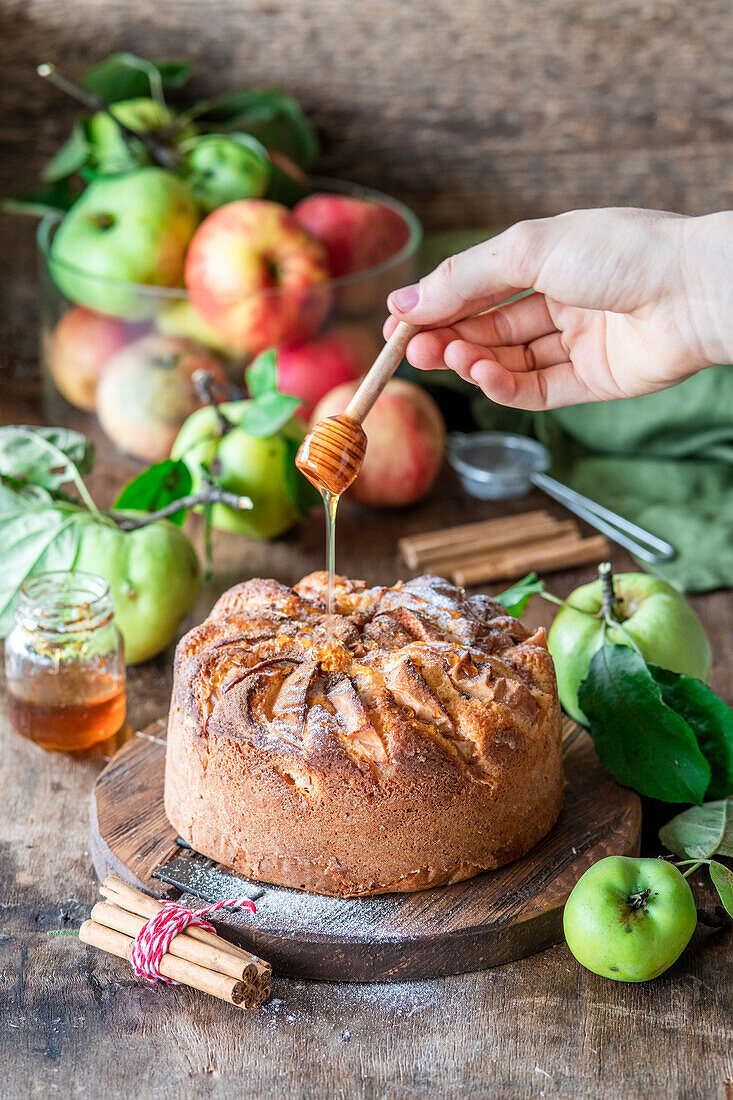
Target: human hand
625,302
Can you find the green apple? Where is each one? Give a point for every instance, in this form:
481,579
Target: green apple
181,318
652,612
112,153
154,576
125,229
253,466
629,919
221,168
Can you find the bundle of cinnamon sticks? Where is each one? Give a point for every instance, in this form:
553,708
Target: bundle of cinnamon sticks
195,957
502,549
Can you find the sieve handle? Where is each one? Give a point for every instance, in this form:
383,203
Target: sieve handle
622,531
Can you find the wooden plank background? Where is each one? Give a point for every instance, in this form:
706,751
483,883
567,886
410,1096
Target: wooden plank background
478,112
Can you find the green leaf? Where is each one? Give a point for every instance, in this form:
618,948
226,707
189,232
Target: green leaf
72,155
126,76
710,719
38,534
268,414
54,198
643,743
516,598
157,486
723,882
43,456
261,375
268,114
701,831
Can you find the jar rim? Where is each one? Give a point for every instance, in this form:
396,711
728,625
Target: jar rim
61,602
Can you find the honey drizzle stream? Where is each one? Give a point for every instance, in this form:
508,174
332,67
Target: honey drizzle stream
330,502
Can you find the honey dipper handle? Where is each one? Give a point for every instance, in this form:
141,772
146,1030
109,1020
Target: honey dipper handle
381,371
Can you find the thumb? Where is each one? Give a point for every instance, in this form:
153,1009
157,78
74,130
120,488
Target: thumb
474,280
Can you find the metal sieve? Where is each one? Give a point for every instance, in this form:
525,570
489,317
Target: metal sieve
500,465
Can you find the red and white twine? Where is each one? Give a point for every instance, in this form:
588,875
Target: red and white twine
153,939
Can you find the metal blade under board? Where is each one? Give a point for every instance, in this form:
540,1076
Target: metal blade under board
195,874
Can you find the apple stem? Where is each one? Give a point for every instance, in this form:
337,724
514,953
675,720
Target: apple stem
203,381
209,494
605,572
161,154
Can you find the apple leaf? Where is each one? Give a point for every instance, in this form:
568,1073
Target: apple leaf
38,533
261,375
701,831
710,719
72,155
643,742
126,76
268,114
723,882
54,198
267,414
516,598
157,486
43,456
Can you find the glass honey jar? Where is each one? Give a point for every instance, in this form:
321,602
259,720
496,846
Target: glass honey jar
64,663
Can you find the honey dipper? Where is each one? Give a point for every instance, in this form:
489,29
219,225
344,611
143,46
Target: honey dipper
331,454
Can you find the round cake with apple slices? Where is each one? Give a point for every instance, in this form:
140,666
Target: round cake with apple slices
411,739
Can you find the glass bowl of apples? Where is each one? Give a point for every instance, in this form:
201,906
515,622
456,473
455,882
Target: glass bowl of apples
140,289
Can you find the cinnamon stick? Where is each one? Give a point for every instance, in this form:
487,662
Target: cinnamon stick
128,897
565,553
179,970
457,547
184,947
449,536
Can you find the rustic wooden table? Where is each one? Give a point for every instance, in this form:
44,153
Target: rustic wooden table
76,1023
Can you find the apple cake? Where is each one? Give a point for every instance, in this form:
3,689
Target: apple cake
409,740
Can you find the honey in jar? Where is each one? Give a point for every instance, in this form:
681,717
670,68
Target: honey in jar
64,663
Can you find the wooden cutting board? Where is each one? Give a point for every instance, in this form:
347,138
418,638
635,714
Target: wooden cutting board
492,919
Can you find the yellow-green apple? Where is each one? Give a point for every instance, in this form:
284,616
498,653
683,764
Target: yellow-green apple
309,370
652,612
405,439
133,228
146,393
256,276
78,349
154,576
629,919
220,168
179,317
259,467
112,153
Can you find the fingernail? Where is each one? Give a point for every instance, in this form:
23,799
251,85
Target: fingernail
405,299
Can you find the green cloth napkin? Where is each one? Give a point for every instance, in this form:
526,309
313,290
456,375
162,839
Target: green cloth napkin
664,461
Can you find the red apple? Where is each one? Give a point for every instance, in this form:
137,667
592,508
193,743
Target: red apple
78,349
405,439
257,276
309,370
145,393
357,233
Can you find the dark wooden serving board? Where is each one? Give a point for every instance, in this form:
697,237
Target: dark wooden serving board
491,919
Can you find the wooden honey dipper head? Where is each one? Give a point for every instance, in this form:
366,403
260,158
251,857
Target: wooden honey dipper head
331,454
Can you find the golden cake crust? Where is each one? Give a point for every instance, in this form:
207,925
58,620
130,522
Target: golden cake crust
410,740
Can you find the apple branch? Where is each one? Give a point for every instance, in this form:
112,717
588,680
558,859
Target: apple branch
209,494
161,154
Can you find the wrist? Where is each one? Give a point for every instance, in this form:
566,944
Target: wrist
708,262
